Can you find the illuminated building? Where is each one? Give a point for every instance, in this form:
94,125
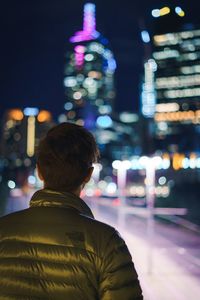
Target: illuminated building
88,80
148,89
22,130
124,138
176,52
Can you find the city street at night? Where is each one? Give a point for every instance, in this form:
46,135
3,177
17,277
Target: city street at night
167,261
100,100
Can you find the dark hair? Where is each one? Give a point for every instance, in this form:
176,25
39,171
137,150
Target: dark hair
65,155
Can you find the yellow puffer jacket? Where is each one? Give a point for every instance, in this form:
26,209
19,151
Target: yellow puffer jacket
57,250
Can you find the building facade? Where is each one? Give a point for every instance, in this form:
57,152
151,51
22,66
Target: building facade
89,76
21,132
176,52
177,84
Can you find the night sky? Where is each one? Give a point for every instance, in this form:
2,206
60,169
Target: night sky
35,37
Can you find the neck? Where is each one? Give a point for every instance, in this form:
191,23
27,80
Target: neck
76,192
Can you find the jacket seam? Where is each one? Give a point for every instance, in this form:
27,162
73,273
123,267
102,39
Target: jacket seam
56,245
34,259
39,278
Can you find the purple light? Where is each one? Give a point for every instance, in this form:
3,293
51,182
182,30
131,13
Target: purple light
79,55
79,49
89,26
89,22
81,36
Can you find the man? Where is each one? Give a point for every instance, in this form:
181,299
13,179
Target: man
56,249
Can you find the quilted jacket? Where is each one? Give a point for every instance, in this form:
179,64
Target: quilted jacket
55,249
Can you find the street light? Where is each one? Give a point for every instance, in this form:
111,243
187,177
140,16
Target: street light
121,167
96,172
150,202
96,176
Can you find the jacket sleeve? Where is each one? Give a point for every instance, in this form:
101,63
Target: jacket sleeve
118,277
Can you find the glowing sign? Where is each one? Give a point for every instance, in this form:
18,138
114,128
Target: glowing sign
89,26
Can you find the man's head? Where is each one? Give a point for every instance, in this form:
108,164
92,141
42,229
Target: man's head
65,157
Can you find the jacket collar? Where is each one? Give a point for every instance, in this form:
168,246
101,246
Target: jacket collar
51,198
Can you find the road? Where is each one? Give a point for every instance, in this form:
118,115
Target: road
167,257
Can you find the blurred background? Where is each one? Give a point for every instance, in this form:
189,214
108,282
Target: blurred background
130,73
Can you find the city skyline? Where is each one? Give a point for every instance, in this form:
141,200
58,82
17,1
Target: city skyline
58,64
36,37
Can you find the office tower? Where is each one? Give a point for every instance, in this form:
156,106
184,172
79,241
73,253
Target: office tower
176,52
21,132
89,76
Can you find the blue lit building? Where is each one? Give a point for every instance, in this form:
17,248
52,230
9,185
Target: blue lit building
89,76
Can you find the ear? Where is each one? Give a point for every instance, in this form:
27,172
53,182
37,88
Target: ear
90,171
39,173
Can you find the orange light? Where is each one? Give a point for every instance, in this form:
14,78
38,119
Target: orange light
164,11
31,136
16,114
159,39
71,114
166,156
177,116
95,74
193,155
44,116
177,161
80,122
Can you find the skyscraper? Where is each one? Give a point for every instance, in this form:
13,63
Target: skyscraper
176,51
89,76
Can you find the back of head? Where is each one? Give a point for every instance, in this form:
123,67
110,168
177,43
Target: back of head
65,156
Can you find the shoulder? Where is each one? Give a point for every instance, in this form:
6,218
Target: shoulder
98,226
12,217
102,234
11,223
